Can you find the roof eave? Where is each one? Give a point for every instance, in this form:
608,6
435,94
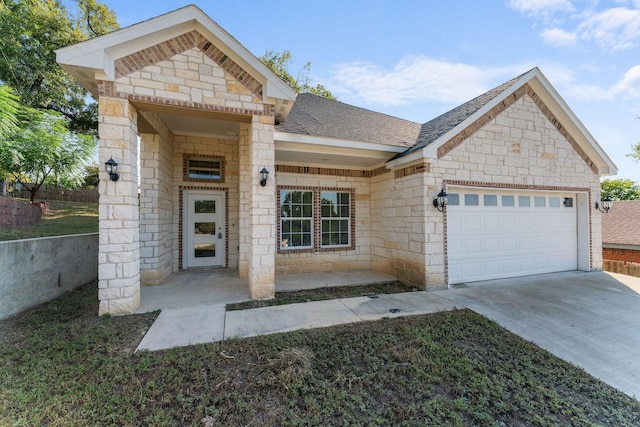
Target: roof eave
94,59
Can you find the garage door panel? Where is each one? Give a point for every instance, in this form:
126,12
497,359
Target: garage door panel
494,241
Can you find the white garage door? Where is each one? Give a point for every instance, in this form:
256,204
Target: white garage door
495,233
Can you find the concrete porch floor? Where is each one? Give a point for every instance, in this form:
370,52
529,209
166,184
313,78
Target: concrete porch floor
222,286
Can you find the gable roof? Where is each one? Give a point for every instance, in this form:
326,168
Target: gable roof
317,116
621,225
434,129
95,59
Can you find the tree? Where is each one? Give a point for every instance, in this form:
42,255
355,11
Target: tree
43,148
620,189
9,108
279,64
635,152
31,32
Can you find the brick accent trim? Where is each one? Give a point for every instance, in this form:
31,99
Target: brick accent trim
181,190
488,185
412,170
185,167
352,173
444,149
317,219
619,254
165,50
106,88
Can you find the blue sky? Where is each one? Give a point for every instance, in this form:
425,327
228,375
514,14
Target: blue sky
416,59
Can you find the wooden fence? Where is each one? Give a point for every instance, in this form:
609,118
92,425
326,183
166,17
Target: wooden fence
87,195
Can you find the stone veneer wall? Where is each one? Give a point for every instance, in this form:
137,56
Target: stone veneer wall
359,258
15,213
156,203
405,230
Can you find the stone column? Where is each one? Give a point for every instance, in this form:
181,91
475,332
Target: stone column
262,210
246,180
119,248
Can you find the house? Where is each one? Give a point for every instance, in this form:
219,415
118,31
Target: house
621,238
238,171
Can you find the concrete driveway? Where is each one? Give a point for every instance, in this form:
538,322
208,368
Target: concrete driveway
589,319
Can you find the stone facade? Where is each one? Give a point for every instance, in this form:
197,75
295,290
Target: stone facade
395,229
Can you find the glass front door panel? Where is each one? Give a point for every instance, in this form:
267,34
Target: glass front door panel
205,206
205,228
204,251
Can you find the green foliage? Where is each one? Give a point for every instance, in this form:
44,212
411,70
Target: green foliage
635,152
620,189
91,177
31,32
44,148
9,108
279,64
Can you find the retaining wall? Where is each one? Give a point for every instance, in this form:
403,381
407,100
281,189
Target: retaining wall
33,271
14,213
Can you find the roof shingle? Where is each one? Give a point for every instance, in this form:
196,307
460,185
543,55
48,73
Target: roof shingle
621,225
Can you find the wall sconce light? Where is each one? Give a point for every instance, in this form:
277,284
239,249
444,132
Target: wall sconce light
111,166
264,175
604,205
441,201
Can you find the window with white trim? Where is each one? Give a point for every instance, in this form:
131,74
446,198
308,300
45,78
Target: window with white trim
318,219
336,218
203,168
296,219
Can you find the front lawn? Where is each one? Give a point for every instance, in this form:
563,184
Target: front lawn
60,364
62,218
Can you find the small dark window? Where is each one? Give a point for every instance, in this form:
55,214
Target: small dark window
539,202
524,201
453,199
490,200
568,202
471,200
508,201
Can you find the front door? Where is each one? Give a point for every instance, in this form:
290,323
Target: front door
204,239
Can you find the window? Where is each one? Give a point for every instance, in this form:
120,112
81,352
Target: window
296,215
453,199
539,201
554,202
471,200
336,218
203,168
490,200
524,201
316,219
507,201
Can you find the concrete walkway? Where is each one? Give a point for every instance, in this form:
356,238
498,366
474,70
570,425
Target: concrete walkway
589,319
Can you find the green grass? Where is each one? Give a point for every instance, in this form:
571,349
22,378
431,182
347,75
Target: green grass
321,294
63,218
61,365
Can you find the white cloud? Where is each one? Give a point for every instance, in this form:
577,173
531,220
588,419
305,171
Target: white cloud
629,86
614,29
558,37
541,7
416,79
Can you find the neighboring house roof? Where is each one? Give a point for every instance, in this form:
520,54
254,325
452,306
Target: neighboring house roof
621,225
317,116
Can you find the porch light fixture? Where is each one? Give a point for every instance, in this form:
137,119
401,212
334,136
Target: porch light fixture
441,201
264,175
111,166
604,205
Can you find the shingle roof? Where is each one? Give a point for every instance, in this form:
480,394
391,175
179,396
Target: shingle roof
621,225
434,129
317,116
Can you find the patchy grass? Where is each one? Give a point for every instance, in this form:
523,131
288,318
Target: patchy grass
62,365
63,218
321,294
